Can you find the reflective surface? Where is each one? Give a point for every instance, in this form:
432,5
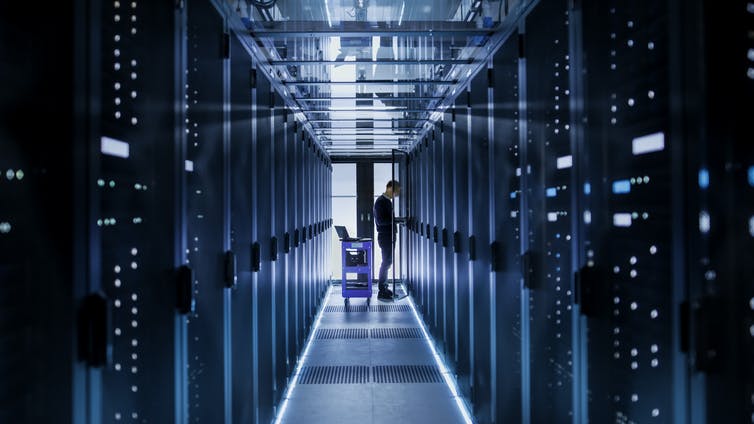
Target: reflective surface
367,75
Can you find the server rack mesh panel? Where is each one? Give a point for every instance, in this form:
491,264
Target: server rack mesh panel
549,212
507,238
134,188
477,242
206,211
242,208
628,196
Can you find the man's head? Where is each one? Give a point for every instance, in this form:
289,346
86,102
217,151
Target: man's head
393,189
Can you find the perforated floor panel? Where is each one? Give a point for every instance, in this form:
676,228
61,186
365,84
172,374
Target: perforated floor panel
370,368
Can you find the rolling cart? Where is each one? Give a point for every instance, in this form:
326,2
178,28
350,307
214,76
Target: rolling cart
357,266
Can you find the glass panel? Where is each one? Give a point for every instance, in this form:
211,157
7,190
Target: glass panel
343,207
344,180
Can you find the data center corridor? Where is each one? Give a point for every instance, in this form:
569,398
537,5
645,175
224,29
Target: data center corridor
572,195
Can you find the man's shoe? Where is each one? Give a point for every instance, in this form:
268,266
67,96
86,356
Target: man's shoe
385,294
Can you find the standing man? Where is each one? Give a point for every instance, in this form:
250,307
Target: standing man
386,230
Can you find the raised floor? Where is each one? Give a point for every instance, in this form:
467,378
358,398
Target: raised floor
370,365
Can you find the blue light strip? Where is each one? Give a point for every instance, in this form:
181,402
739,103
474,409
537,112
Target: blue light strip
294,379
443,370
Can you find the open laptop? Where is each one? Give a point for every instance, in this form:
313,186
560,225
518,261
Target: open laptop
343,234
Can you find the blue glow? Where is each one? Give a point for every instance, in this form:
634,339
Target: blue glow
513,195
703,178
751,176
557,236
552,192
621,187
587,188
304,355
443,370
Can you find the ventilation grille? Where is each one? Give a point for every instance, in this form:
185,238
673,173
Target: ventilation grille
391,308
350,308
342,333
396,333
353,374
365,308
360,374
406,374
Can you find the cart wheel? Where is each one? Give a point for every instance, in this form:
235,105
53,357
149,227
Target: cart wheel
345,301
368,300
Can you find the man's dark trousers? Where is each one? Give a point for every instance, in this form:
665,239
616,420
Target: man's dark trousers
386,245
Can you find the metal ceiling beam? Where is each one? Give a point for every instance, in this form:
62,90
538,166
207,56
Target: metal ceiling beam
319,121
372,82
365,110
343,26
319,99
373,62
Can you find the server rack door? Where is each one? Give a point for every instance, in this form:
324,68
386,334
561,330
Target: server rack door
40,249
427,239
137,196
721,183
308,212
449,282
205,210
293,271
442,256
435,253
278,225
242,217
628,196
477,242
548,260
506,246
268,250
302,260
463,298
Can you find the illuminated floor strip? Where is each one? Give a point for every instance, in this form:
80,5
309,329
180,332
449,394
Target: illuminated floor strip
449,381
302,360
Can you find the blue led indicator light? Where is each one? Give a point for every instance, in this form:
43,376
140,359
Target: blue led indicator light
587,188
751,176
703,178
621,187
552,192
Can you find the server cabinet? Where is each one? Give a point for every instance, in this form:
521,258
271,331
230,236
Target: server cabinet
721,217
241,235
427,241
547,168
631,287
278,221
43,245
437,238
505,188
136,194
291,278
463,296
443,281
268,243
206,212
477,250
451,283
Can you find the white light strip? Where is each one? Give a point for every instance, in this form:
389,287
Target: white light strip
327,11
648,143
565,162
113,147
403,7
444,371
294,379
